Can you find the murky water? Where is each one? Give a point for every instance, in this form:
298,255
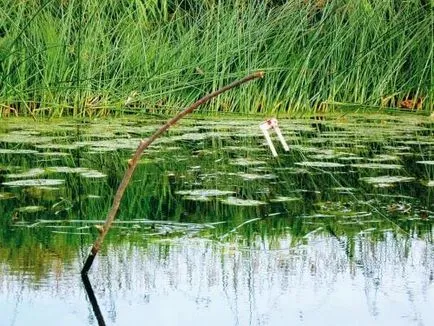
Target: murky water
214,230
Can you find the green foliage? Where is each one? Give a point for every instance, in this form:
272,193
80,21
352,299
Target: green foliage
185,179
89,58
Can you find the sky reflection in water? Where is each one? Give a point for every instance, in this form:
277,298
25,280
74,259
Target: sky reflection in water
195,282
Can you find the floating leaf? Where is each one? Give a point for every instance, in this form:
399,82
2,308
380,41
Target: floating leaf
242,202
386,179
58,146
384,157
34,182
66,169
344,190
246,162
398,148
323,156
28,174
425,162
31,209
320,164
93,197
280,199
17,151
377,166
293,170
252,176
306,149
111,145
197,198
205,192
25,138
93,174
54,154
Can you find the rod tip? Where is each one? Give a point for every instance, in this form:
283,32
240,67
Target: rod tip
260,74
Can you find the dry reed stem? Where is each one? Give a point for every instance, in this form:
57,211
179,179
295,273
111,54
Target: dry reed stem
132,163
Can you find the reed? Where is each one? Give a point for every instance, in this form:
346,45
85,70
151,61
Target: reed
94,58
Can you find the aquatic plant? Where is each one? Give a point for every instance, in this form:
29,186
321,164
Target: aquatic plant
93,58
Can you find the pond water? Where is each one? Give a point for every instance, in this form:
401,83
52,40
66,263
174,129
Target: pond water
213,229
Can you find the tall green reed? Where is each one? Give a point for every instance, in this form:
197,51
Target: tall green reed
157,56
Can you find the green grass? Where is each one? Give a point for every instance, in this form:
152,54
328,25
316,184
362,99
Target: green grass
86,58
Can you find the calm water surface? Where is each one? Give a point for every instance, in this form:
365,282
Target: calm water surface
214,230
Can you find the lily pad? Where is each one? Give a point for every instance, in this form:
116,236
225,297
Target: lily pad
246,162
398,148
66,169
377,166
320,164
253,176
425,162
281,199
344,190
195,136
93,197
324,156
189,136
31,209
17,151
306,149
205,192
384,157
25,139
197,198
54,154
242,202
28,174
34,182
93,174
386,179
293,170
99,150
58,146
111,145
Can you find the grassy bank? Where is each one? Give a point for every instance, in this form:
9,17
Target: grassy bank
89,58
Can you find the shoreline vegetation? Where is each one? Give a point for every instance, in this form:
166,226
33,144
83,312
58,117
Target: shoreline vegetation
114,57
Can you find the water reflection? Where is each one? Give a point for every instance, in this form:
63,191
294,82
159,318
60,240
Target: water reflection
194,281
92,299
215,231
